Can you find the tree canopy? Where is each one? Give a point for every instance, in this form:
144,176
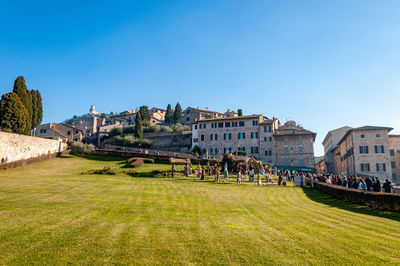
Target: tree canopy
138,126
177,113
145,115
13,114
169,115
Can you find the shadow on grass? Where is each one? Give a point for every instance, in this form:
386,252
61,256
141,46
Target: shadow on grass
320,197
104,157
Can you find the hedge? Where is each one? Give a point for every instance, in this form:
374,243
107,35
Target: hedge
378,200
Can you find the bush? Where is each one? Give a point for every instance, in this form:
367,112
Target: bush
152,129
81,148
196,149
166,129
130,141
128,130
116,131
106,170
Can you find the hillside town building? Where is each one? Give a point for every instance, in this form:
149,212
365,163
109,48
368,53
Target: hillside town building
191,115
363,151
330,142
261,137
59,131
394,152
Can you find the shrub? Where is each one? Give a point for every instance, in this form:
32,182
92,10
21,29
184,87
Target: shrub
151,129
241,153
166,129
81,148
116,131
196,149
130,141
128,130
106,170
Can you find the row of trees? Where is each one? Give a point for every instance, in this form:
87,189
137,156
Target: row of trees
173,116
21,110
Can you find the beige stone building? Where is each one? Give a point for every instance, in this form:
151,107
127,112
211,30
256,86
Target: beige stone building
394,152
191,115
330,142
294,145
364,151
59,131
261,137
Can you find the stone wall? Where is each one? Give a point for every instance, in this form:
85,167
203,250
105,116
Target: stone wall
174,141
17,147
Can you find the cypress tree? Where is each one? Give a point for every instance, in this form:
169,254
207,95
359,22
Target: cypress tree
13,114
26,99
145,115
177,113
240,112
169,115
138,126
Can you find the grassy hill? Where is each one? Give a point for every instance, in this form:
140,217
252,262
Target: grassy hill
52,214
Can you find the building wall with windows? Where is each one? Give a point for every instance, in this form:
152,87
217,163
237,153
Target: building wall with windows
59,131
191,115
394,153
260,137
364,151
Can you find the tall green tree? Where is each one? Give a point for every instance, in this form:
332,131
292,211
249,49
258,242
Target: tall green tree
177,113
13,114
169,115
37,108
21,90
138,126
145,115
240,112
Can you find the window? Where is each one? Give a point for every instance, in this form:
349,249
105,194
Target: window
227,124
267,129
76,132
69,132
254,149
381,167
300,138
379,149
241,124
202,137
393,164
365,167
242,149
227,136
362,136
301,162
241,136
378,135
43,130
213,151
255,122
394,176
214,136
268,153
234,124
287,162
221,124
286,139
286,149
227,150
195,126
187,118
174,138
254,135
301,149
268,139
195,140
202,126
213,125
363,149
391,152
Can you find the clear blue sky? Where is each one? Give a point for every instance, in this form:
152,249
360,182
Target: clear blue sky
325,64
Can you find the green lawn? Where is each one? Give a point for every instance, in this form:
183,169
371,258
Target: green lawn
51,214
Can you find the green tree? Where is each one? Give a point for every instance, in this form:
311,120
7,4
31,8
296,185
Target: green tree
13,114
26,99
240,112
177,113
138,126
37,108
169,115
145,115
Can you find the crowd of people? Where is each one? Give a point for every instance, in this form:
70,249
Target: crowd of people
365,184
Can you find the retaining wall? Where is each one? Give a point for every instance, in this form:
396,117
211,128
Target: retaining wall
15,147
